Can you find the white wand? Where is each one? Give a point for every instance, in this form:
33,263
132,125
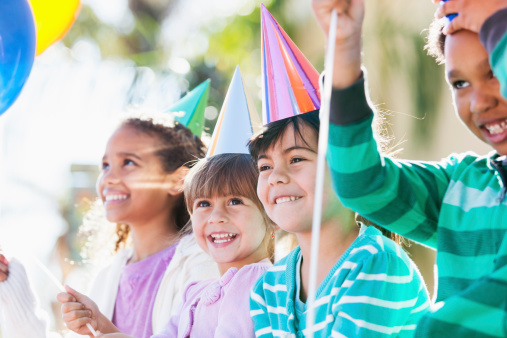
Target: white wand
321,165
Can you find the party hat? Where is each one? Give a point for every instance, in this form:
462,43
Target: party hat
234,124
290,82
192,106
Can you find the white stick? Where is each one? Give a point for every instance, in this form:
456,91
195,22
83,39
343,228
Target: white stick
59,286
321,165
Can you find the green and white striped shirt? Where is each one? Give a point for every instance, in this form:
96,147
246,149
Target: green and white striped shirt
373,290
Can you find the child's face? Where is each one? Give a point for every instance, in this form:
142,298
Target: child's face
287,180
231,229
132,183
476,92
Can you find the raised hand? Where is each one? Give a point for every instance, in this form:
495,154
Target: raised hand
471,13
347,59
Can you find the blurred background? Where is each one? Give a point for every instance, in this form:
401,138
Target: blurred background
123,55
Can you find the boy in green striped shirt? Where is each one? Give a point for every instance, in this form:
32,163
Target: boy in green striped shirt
368,287
458,205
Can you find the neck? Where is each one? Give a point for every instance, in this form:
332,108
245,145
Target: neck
153,236
334,241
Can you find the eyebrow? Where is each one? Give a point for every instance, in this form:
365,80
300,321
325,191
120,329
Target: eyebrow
288,150
126,155
484,64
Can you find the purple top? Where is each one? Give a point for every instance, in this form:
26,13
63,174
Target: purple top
217,307
138,288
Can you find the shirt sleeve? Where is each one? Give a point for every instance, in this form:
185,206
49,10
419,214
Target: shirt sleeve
21,315
493,35
385,296
234,316
478,311
170,329
402,196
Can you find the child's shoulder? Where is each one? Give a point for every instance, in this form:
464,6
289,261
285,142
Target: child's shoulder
373,245
276,274
251,272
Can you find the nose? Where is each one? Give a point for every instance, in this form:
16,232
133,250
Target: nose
218,215
278,175
107,177
483,99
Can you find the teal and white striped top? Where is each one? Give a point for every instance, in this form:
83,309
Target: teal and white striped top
374,289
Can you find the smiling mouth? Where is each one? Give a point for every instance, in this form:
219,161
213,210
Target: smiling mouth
109,198
222,238
286,199
496,128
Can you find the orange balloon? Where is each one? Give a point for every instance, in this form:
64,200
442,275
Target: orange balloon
53,19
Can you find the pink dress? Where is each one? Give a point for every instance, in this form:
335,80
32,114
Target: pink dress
218,307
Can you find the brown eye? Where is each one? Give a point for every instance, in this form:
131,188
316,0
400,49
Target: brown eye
264,167
460,84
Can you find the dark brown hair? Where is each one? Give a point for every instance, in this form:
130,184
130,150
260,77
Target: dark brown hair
273,133
225,175
179,147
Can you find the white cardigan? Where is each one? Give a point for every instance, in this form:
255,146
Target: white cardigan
24,319
189,263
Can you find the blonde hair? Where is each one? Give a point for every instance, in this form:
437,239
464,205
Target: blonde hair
224,175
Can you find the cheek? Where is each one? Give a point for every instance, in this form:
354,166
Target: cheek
98,186
262,190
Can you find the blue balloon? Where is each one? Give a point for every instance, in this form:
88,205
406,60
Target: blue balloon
17,49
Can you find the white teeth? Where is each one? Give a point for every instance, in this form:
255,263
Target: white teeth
496,128
222,240
286,199
229,236
116,197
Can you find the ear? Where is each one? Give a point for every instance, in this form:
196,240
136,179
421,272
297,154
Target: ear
176,180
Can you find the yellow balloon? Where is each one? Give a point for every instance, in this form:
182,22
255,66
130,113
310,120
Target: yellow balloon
53,18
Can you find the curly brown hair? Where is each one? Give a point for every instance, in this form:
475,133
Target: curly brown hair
435,41
180,148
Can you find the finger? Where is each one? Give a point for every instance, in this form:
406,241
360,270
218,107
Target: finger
449,7
3,259
64,297
452,26
78,324
79,297
75,315
68,307
3,276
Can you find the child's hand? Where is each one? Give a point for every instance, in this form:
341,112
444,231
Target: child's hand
350,18
471,13
347,58
4,268
78,310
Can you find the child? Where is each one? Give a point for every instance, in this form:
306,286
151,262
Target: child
367,284
457,205
140,185
230,224
20,315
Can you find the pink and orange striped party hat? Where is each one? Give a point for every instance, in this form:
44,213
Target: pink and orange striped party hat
290,82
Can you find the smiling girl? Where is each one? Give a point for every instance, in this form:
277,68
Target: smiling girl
140,185
230,224
368,286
